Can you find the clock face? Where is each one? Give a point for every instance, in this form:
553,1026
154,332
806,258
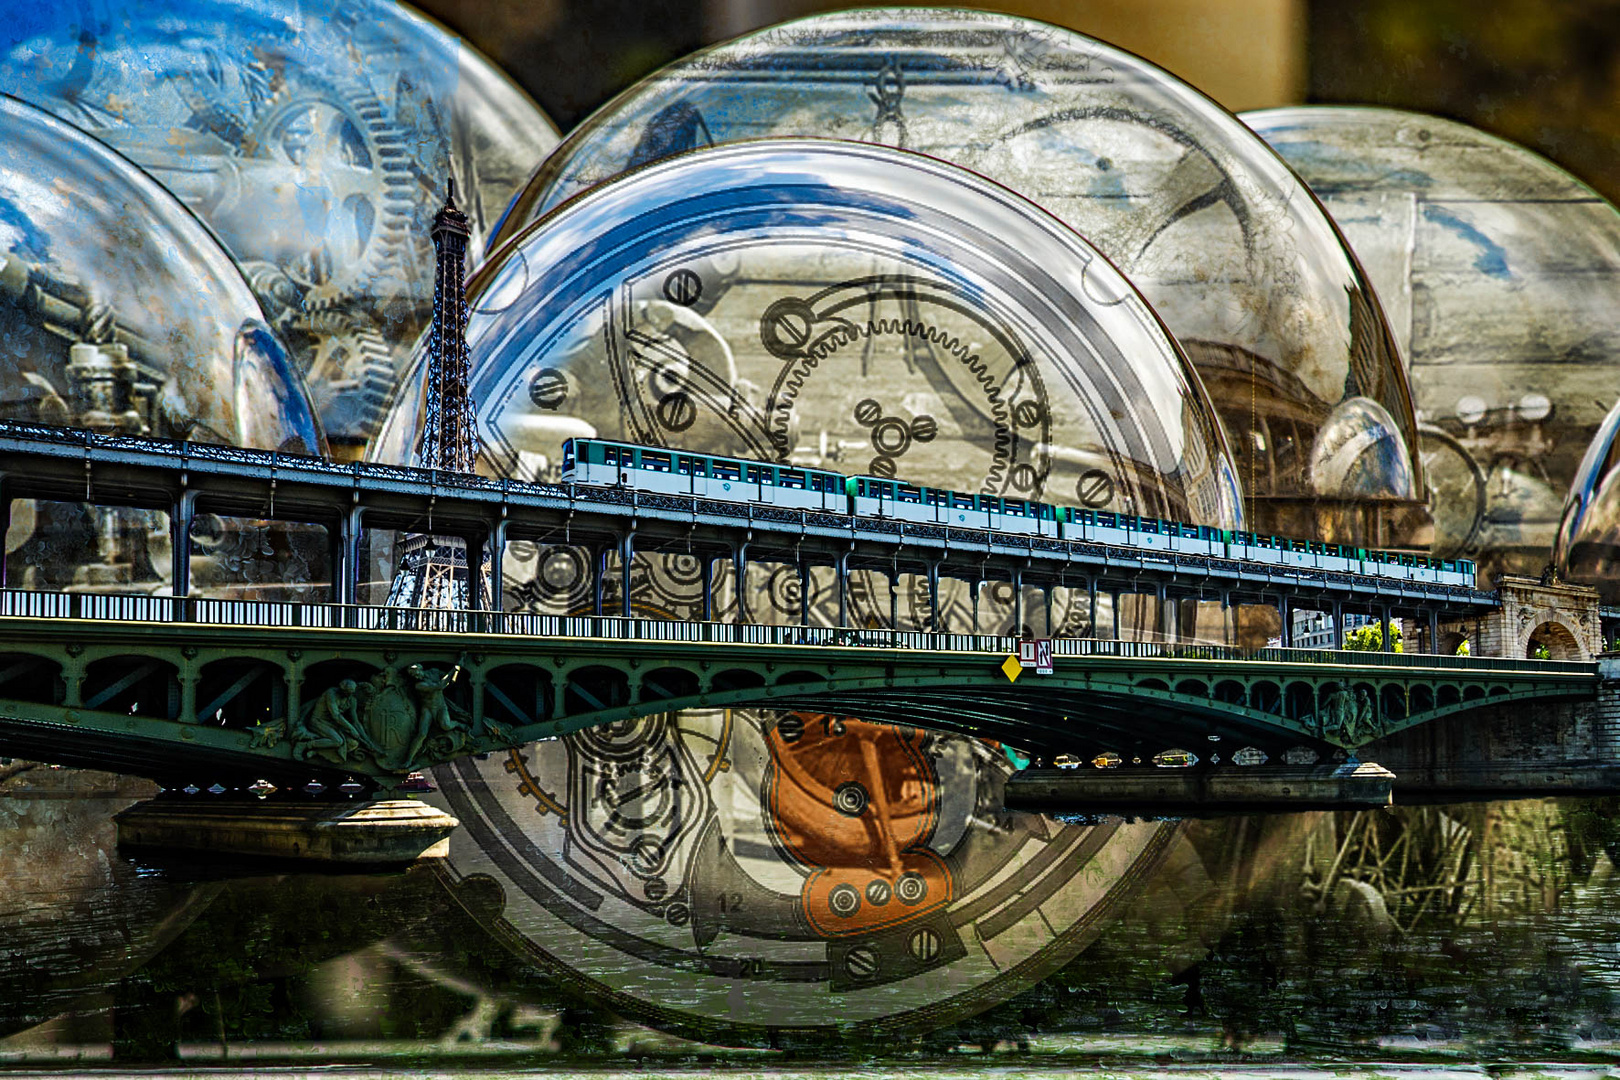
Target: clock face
1220,237
730,875
741,875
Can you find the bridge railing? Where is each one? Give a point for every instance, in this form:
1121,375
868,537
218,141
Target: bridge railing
100,607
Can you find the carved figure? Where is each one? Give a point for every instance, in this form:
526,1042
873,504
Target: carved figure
1366,722
435,710
332,725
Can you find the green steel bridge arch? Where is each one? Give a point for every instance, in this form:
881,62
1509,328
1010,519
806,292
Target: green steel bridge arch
201,691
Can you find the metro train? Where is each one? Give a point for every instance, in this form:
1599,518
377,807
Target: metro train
677,472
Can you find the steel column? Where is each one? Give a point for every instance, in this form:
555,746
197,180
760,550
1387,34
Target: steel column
627,556
598,577
1286,607
1434,631
933,597
181,513
1383,617
346,556
497,565
5,525
1018,601
739,559
706,572
842,573
804,594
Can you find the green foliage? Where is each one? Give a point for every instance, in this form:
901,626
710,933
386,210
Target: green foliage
1370,638
1541,652
1463,649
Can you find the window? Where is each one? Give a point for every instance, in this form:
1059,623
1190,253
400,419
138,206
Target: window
962,502
655,460
909,494
791,478
759,474
1086,517
1107,519
1013,507
884,490
937,497
689,466
725,470
568,454
610,455
1148,525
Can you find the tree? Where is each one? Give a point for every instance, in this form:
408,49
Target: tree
1370,638
1463,649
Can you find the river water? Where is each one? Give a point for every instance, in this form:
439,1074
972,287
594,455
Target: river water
1416,935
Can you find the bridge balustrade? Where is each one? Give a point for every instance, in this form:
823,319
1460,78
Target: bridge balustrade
316,616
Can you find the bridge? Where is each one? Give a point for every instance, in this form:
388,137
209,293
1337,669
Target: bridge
197,690
184,479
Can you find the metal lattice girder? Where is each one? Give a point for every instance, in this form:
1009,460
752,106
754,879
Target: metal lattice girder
38,461
505,688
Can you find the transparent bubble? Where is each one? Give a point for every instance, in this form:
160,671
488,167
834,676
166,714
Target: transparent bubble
1500,273
118,312
1587,548
846,305
313,138
1203,218
871,311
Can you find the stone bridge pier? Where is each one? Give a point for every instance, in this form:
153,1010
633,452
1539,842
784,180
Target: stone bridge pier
1570,746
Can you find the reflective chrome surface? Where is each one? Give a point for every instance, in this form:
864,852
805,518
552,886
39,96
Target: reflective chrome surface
1216,232
1587,547
840,304
313,137
119,312
1501,276
872,311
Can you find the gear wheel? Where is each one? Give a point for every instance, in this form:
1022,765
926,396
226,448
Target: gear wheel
343,133
354,370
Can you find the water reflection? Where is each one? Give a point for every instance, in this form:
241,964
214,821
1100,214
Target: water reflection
1483,928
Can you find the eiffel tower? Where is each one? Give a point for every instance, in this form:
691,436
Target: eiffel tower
433,569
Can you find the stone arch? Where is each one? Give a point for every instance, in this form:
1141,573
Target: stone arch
137,685
516,695
669,682
1561,641
1299,700
1451,641
1231,691
241,692
1193,688
595,687
26,677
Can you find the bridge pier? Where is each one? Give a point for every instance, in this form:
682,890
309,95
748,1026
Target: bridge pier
379,832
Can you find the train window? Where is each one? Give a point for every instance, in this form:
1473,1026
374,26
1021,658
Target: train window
655,460
936,497
1086,517
568,454
817,483
790,478
689,466
760,474
885,490
962,502
725,470
1148,525
1012,507
909,494
1467,566
1046,512
610,455
1107,519
831,482
1265,541
1406,560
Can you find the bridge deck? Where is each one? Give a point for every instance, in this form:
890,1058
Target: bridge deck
41,462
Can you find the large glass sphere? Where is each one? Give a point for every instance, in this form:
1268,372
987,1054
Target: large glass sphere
314,138
1500,273
118,312
843,304
868,310
1587,548
1205,220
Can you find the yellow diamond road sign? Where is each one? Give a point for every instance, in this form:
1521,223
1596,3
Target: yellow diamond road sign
1011,667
